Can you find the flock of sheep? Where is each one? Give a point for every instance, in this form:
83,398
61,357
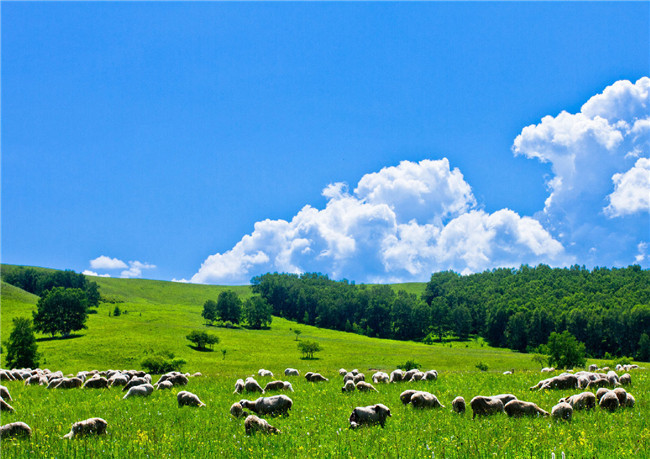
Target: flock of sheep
610,395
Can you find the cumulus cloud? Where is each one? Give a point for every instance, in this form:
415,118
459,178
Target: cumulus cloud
632,190
87,272
104,262
399,224
135,269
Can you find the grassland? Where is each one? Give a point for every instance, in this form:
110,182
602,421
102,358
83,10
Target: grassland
160,314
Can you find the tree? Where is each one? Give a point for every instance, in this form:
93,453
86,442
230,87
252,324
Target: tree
61,310
643,353
297,332
229,306
201,339
209,311
565,351
257,312
21,345
308,348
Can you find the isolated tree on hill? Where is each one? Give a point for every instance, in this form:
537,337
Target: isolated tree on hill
209,311
565,351
257,312
201,339
229,306
61,310
308,348
21,345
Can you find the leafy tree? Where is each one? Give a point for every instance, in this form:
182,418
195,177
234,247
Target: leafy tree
516,336
229,306
565,351
201,339
117,312
257,312
21,345
308,348
159,362
61,310
461,321
92,293
540,359
644,348
209,311
297,332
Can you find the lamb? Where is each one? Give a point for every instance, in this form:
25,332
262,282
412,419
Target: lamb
562,411
96,383
625,379
4,406
278,404
458,405
252,386
363,386
315,377
359,377
237,411
262,373
609,401
593,367
584,400
291,372
397,376
15,429
380,377
254,424
142,390
425,400
95,426
484,406
518,408
349,386
369,415
164,385
431,375
405,396
4,393
278,385
186,398
69,383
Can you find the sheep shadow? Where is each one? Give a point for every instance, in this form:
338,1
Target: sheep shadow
200,349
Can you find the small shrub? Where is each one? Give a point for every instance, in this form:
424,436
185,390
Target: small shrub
482,366
117,312
409,365
162,362
308,348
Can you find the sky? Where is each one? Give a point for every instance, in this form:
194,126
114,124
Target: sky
377,142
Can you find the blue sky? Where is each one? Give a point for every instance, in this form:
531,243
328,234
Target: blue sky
213,142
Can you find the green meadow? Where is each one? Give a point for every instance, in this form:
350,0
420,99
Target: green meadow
160,314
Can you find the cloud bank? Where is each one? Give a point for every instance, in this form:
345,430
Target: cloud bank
104,263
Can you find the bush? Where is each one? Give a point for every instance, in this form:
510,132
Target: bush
162,362
482,366
21,345
565,351
308,348
409,365
202,339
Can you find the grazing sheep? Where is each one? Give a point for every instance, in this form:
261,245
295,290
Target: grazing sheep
505,398
95,426
291,372
630,401
69,383
254,424
164,385
593,367
359,377
602,391
177,379
348,377
252,386
4,393
316,377
4,406
409,374
278,404
509,372
584,400
363,386
96,383
625,379
547,370
15,429
52,383
142,390
186,398
630,367
423,399
458,405
239,386
397,376
430,375
405,396
484,406
518,408
348,386
343,372
136,381
609,401
278,385
562,381
6,376
32,380
562,411
621,394
417,376
380,377
600,382
118,380
369,415
262,373
198,374
237,411
355,372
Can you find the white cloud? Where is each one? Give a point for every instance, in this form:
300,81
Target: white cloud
631,190
643,252
92,273
135,269
104,262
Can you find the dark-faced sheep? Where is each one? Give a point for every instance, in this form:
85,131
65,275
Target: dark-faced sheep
397,376
458,405
417,376
252,386
278,404
4,406
6,376
600,382
380,377
96,383
136,381
625,379
118,380
316,377
609,401
291,372
348,386
518,408
186,398
405,397
562,411
359,377
15,430
409,374
621,394
278,385
562,381
423,399
254,424
582,401
484,406
348,377
369,415
92,426
430,375
363,386
143,390
237,411
4,393
343,372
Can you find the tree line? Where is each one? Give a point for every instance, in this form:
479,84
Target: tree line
606,309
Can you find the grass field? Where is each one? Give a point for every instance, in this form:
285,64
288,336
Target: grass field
159,316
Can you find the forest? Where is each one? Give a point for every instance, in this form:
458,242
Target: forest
606,309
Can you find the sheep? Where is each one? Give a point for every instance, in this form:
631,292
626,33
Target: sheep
343,372
518,408
277,404
369,415
363,386
417,376
562,411
355,372
547,370
316,377
630,401
483,406
136,381
359,377
405,396
600,382
505,398
177,379
509,372
4,393
609,401
593,367
409,374
186,398
15,429
262,373
96,383
612,377
380,377
237,411
431,375
348,377
278,385
32,380
4,406
584,400
6,376
291,372
143,390
397,376
52,383
69,383
118,380
423,399
599,394
254,424
348,386
621,394
95,426
625,379
164,385
458,405
198,374
250,385
562,381
630,367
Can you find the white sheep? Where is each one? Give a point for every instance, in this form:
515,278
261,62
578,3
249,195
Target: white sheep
143,390
369,415
291,372
15,429
423,399
380,377
186,398
254,424
562,411
363,386
277,404
96,426
458,405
